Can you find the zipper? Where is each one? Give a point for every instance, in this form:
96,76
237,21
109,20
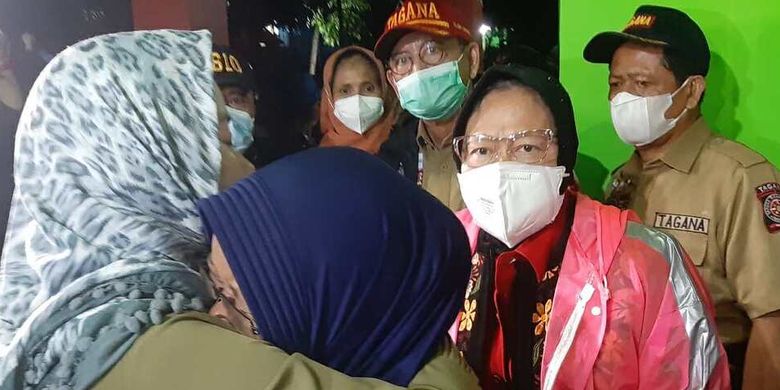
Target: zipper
567,337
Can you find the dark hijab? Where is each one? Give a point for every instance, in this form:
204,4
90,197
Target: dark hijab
343,260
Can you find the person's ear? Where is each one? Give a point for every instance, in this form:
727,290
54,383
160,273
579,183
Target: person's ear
391,80
696,87
475,59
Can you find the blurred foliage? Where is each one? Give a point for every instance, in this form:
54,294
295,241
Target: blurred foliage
327,20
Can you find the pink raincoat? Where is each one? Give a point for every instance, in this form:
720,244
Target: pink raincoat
629,312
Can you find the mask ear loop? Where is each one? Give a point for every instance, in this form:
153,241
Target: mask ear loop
681,87
674,121
328,96
463,55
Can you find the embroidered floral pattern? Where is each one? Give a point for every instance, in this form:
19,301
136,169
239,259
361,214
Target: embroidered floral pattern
542,317
476,272
467,315
551,273
468,321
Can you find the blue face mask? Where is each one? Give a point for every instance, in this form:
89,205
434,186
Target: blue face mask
241,127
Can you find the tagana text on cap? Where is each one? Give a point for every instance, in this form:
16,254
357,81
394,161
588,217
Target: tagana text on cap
663,26
441,18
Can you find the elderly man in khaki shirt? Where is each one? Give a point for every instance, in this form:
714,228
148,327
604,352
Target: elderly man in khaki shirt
432,54
720,199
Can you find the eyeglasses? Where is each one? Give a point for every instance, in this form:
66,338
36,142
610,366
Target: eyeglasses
527,146
223,298
431,53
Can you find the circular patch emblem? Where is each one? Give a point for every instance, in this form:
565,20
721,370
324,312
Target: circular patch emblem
772,207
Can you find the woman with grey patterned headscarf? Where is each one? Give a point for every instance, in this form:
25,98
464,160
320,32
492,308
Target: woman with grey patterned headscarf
117,142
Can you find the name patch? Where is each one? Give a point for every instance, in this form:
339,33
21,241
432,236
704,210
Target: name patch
683,223
769,196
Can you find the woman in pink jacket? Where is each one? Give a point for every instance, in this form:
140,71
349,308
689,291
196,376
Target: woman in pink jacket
566,293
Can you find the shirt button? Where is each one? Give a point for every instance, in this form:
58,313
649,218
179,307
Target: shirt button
596,311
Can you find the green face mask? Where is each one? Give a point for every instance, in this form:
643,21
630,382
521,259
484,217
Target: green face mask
434,93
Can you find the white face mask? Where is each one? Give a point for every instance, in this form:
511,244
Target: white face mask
510,200
359,112
641,120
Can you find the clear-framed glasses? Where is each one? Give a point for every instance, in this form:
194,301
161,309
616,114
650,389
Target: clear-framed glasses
431,53
527,147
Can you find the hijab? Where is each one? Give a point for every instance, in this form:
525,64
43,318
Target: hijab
334,132
373,297
116,143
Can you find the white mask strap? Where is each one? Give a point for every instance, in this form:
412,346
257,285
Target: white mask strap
681,87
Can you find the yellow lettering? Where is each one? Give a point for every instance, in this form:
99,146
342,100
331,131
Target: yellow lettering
402,15
392,22
422,11
216,62
432,12
641,21
410,11
226,61
235,64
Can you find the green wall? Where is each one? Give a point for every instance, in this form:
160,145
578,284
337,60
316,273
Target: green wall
743,92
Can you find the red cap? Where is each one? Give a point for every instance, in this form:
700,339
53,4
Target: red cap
443,18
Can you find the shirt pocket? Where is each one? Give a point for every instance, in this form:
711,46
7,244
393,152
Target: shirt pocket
695,245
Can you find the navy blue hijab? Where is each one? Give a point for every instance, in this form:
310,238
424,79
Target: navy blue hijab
343,260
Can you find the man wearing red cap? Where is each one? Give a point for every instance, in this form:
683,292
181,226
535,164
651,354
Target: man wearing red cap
432,55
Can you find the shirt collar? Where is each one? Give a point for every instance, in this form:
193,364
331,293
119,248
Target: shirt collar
683,152
538,248
424,139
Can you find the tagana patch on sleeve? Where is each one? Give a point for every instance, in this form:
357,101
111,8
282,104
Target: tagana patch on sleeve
769,197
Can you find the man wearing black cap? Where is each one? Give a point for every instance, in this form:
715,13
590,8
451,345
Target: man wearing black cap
719,198
236,81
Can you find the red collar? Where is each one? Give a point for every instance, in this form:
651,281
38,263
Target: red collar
538,248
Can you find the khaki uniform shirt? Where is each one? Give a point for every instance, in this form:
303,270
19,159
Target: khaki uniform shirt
195,352
438,171
721,200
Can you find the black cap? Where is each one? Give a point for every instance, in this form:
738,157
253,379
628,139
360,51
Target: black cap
549,89
230,70
667,27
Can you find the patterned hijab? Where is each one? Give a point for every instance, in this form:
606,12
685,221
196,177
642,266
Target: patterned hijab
117,142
